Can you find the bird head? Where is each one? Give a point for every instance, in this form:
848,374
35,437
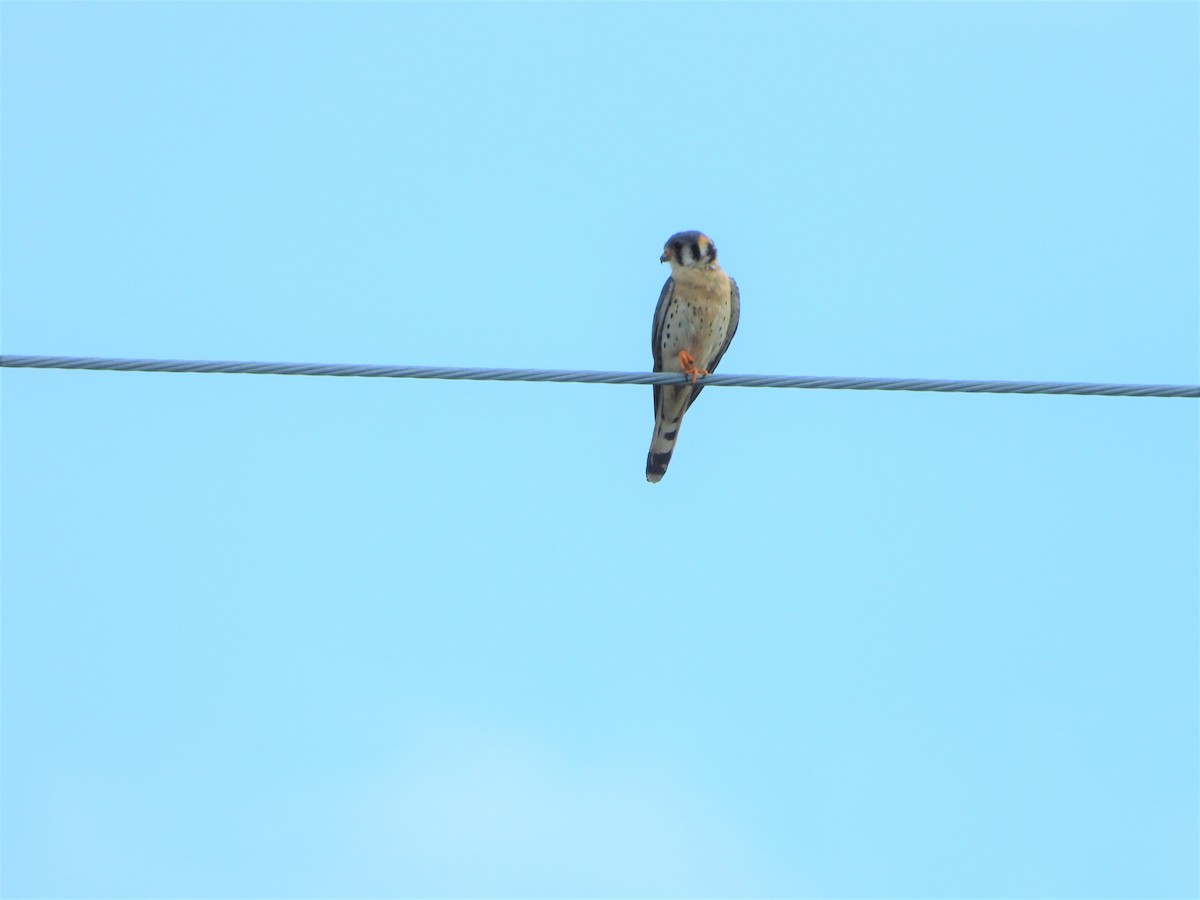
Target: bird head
689,250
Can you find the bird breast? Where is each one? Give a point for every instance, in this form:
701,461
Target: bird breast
697,321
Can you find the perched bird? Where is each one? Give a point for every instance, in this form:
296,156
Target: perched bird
694,322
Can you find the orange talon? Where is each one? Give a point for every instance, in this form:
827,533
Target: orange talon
687,363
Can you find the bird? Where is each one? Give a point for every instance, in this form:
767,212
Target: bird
696,318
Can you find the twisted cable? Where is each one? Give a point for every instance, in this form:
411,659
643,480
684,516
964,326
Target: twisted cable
585,377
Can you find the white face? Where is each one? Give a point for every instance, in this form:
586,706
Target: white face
689,249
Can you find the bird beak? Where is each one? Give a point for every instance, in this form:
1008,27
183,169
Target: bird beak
665,257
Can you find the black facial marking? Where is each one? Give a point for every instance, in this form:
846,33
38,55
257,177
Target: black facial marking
670,435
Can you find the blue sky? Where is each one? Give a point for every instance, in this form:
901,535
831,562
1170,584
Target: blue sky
269,636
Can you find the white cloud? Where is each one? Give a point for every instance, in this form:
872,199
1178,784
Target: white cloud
501,814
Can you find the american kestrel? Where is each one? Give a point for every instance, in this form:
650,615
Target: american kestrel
694,322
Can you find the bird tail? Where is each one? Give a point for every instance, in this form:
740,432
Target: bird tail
670,402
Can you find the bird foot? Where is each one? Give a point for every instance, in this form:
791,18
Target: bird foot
687,363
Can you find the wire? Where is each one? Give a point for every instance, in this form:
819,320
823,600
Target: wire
775,381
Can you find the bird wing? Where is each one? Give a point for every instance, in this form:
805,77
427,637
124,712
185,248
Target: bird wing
660,315
735,313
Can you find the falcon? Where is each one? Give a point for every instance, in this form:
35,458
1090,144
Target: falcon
694,322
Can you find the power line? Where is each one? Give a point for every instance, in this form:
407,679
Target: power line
466,374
